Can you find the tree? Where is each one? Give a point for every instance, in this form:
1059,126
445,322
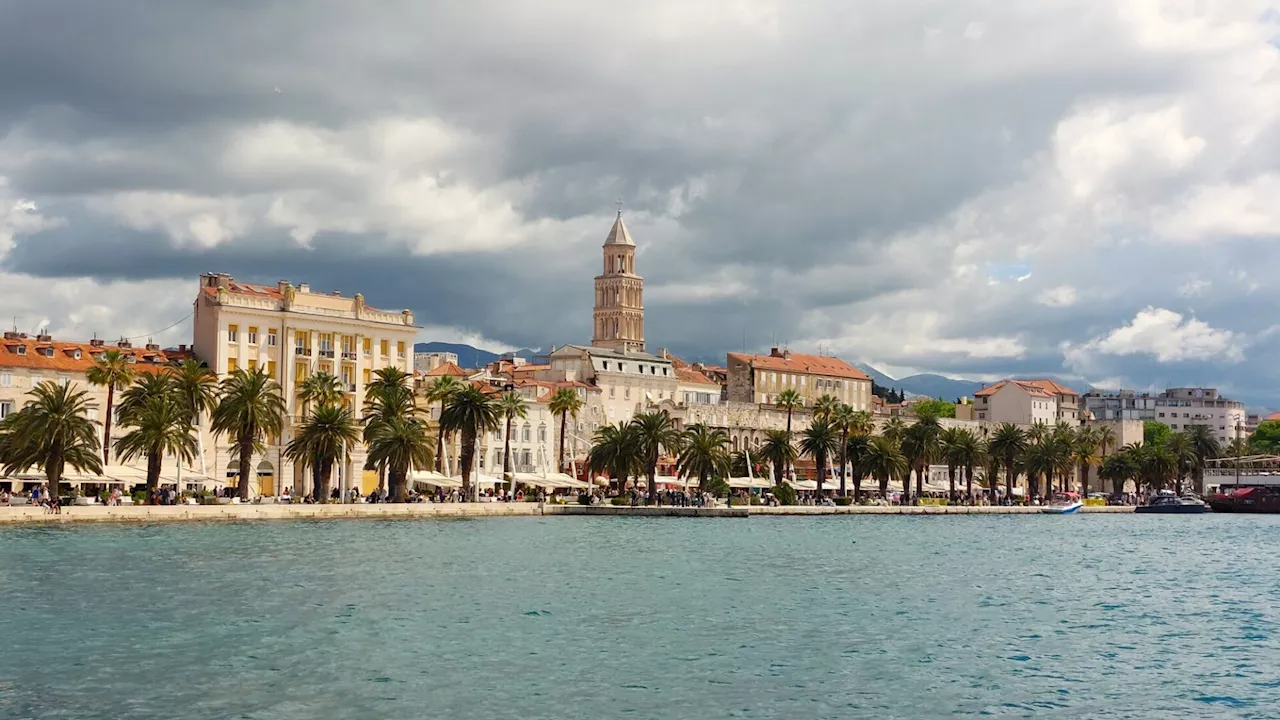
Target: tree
1156,464
938,408
321,442
320,388
399,443
920,446
789,400
843,418
441,390
1084,448
894,429
779,451
885,462
825,406
655,432
1205,445
820,441
51,431
388,400
1265,440
566,403
160,424
1008,444
703,453
510,407
471,414
948,441
1155,433
197,390
1106,437
1117,468
614,450
249,409
113,371
1184,458
856,451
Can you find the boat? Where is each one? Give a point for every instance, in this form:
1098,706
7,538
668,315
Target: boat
1247,500
1064,503
1168,503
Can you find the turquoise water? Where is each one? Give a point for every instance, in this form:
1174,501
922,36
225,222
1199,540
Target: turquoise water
843,617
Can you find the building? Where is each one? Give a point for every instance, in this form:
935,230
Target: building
424,362
695,387
1179,408
629,381
292,332
761,378
619,307
1027,402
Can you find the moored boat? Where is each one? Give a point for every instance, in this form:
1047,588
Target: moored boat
1247,500
1168,503
1064,503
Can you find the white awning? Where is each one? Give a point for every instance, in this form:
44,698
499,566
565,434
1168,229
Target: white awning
435,479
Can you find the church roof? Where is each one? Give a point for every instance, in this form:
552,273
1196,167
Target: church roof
618,235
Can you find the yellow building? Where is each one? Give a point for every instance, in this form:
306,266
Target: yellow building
293,332
761,378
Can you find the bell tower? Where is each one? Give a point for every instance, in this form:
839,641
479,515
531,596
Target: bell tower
619,309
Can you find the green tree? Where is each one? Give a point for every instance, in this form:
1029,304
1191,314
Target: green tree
971,451
323,440
857,449
820,441
1183,452
655,432
920,446
400,443
510,407
1009,443
114,372
1206,448
566,403
51,431
388,399
1084,449
704,454
471,414
789,400
1266,439
1155,433
779,451
938,408
948,440
320,388
1116,469
197,390
249,410
885,462
894,429
441,390
159,424
825,406
843,418
615,450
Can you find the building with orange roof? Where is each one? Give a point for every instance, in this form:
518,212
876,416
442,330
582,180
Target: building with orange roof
424,362
696,387
292,333
761,378
1022,402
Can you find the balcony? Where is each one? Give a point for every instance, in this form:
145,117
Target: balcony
350,387
326,353
302,351
347,355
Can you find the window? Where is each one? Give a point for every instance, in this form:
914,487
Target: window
525,433
348,344
368,345
253,335
233,333
63,380
1161,414
542,433
605,365
6,407
660,392
300,346
326,342
92,414
21,349
611,391
626,394
1185,415
525,458
6,379
300,372
664,370
272,338
368,375
232,365
271,368
36,379
400,348
382,347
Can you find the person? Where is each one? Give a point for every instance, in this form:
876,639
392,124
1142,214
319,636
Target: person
4,496
284,495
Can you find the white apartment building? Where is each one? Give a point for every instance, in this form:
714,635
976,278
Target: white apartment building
629,380
1027,402
293,332
425,362
1179,408
695,387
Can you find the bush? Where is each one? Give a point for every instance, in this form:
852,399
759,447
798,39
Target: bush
785,493
755,500
584,499
844,501
139,497
620,500
718,487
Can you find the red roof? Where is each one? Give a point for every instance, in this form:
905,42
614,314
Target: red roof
1029,387
802,364
61,356
447,369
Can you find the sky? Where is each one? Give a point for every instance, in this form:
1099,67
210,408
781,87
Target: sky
978,188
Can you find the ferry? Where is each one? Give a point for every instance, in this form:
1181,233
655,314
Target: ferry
1064,503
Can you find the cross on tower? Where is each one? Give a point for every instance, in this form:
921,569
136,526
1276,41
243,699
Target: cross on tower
619,207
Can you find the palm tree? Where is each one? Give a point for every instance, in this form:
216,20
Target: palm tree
1206,448
825,406
1038,460
441,390
197,389
947,450
1106,437
51,431
895,429
399,443
113,370
820,441
249,409
1155,465
565,402
843,418
1064,464
885,462
920,446
614,449
160,424
970,451
654,433
779,451
320,388
388,399
789,400
1184,458
1117,468
471,414
321,442
856,450
1084,449
510,407
1009,443
703,453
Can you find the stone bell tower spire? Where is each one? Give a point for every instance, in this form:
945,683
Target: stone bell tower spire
619,309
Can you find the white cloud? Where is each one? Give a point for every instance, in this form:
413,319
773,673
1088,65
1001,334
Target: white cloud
1166,336
1194,287
1249,209
1058,297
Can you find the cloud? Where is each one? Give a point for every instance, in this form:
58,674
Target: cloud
1194,287
1058,297
1166,336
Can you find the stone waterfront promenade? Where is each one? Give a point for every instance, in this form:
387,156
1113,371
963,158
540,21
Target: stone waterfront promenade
179,513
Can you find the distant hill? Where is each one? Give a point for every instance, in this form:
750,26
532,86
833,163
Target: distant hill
468,356
925,385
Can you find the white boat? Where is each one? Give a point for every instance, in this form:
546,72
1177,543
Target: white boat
1064,504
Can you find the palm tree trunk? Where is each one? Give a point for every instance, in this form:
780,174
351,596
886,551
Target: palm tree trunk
821,463
920,470
951,480
1197,479
468,454
906,487
106,425
399,484
54,475
564,424
857,485
440,442
788,468
1008,478
968,482
246,461
507,475
1084,479
844,460
153,472
653,479
320,479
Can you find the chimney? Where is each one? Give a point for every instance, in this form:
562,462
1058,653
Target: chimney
153,347
774,352
124,344
96,342
282,286
44,337
10,335
182,348
662,353
304,287
786,354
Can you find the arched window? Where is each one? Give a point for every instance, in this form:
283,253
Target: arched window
542,433
525,433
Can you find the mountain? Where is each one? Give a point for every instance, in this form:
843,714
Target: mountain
468,356
877,377
925,385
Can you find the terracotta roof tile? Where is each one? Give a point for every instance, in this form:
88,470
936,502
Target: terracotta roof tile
1029,387
60,356
803,364
448,368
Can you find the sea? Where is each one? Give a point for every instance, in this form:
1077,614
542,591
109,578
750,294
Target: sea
1088,616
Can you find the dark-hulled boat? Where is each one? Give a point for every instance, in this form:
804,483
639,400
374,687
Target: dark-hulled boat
1247,500
1167,503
